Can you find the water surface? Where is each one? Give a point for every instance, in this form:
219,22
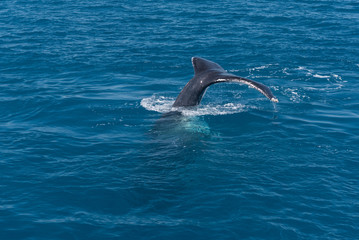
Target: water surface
86,152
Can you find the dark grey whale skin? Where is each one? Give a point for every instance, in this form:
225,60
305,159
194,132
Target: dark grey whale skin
207,73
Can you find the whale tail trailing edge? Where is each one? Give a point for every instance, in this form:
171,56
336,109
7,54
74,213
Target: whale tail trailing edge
256,85
207,73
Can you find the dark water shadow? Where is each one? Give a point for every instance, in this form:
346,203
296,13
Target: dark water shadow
165,169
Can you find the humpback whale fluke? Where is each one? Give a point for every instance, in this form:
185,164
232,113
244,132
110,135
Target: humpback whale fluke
207,73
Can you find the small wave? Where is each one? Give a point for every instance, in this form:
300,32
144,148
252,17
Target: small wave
163,104
254,69
331,77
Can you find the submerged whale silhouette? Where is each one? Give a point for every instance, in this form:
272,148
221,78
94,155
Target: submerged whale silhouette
207,73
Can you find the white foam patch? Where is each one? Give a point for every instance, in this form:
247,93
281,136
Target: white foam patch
321,76
229,108
260,67
157,103
163,104
325,88
331,77
295,95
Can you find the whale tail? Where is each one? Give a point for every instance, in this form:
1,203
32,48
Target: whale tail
207,73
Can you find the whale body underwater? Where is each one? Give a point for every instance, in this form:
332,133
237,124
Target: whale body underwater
207,73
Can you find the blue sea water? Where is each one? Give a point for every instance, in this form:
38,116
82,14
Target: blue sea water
85,152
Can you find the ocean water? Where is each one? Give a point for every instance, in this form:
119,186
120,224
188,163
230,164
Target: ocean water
87,150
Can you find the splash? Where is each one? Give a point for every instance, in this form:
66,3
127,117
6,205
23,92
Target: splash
156,103
163,104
